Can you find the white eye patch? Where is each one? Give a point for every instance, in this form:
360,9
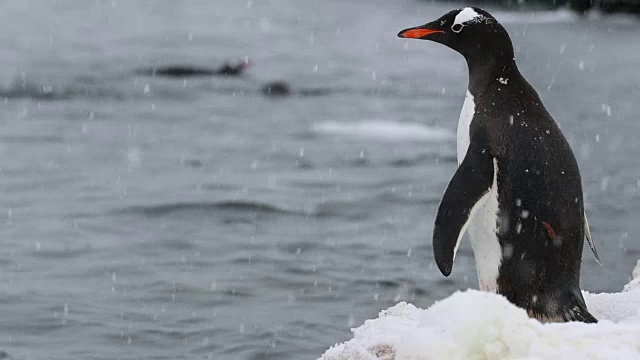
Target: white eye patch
467,14
465,17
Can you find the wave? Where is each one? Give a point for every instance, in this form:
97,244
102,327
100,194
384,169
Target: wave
31,139
422,158
229,206
21,89
385,130
247,211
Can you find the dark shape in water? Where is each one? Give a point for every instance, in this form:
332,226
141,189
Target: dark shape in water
276,88
227,69
282,88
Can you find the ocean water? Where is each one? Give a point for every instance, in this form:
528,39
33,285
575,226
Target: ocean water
151,218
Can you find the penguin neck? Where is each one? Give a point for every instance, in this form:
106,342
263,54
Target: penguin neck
491,71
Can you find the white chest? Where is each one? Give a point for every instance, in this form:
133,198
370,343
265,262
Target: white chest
483,226
484,239
466,115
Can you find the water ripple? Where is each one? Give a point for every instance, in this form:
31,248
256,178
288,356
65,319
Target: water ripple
226,206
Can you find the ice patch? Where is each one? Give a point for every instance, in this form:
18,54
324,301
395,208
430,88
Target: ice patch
384,130
480,325
537,17
613,19
561,16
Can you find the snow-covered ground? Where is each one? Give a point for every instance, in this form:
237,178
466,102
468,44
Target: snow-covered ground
474,325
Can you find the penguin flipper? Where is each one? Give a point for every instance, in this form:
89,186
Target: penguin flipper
465,194
587,233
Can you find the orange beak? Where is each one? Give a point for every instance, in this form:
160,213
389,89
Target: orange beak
417,33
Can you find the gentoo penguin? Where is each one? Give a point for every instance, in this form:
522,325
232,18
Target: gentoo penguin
517,189
227,69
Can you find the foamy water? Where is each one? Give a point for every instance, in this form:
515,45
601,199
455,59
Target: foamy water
384,131
537,17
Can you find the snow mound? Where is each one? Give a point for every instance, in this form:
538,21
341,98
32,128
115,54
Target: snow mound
475,325
384,130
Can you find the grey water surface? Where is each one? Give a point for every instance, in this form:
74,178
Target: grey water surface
151,218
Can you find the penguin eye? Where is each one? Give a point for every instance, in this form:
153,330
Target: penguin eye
456,28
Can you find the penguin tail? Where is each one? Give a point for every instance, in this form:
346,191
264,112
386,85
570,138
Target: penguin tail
571,307
577,313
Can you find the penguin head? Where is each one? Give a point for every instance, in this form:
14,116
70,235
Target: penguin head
472,32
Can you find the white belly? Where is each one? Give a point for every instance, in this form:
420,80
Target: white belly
484,239
483,226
